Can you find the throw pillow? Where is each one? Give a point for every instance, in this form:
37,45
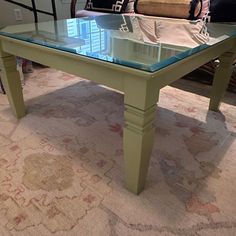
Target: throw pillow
187,9
111,6
184,33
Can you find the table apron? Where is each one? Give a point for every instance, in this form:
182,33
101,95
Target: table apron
179,69
101,72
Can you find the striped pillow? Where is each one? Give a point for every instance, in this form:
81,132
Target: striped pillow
186,9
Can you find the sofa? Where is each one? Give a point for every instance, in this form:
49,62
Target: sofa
204,73
179,9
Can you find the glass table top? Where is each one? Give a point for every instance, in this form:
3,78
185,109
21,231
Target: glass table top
144,43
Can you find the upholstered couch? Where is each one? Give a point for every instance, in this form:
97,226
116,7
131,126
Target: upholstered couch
208,68
143,8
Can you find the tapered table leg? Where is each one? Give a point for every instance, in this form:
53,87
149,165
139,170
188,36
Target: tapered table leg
221,79
138,142
11,81
140,109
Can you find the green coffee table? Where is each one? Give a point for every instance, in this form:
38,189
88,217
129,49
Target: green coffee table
135,55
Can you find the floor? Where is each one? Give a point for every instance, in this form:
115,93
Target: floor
61,166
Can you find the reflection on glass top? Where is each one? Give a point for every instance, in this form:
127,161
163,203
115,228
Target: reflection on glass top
144,43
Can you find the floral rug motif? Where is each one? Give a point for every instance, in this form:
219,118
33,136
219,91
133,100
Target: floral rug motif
62,169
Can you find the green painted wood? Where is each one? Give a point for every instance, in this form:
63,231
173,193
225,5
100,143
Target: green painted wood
221,79
140,109
177,70
138,142
100,72
12,84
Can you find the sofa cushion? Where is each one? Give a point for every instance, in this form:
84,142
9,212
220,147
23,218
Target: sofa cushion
187,9
109,6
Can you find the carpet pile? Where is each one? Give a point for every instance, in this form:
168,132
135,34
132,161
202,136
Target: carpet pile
62,170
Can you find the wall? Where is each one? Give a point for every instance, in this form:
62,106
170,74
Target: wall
7,16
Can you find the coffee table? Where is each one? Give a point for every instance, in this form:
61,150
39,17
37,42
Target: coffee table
135,55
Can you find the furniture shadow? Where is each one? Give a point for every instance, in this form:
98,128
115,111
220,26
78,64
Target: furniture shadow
190,83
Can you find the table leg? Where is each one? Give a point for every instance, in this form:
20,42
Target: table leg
11,81
221,79
140,109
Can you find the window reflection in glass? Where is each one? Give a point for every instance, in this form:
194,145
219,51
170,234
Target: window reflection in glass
95,39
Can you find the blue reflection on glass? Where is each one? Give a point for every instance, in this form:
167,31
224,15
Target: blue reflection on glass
95,39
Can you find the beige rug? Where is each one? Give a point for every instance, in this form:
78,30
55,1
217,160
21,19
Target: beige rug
61,166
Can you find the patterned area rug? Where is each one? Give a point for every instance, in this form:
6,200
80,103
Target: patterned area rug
61,166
